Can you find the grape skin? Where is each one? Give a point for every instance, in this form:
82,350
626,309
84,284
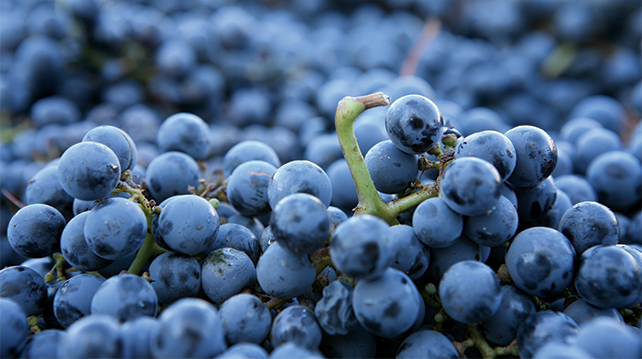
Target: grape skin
35,230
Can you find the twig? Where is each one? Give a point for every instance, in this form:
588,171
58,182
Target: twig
426,38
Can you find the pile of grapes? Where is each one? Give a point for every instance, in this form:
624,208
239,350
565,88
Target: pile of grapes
320,179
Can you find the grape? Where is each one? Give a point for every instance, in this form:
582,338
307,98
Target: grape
44,187
495,228
553,217
226,272
388,305
490,146
560,350
464,281
443,258
299,176
337,215
188,224
175,275
14,328
43,344
435,224
89,170
74,248
300,222
358,343
189,327
92,336
344,191
247,187
334,310
361,247
392,170
247,151
125,297
184,132
581,311
470,186
535,202
427,344
136,337
577,188
297,324
73,299
412,256
587,224
605,337
25,286
515,307
414,124
291,350
616,177
251,223
115,227
541,261
171,173
536,155
609,277
245,319
593,143
544,327
283,273
244,350
118,141
34,231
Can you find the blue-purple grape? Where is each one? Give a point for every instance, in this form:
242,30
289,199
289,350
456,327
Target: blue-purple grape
247,187
536,155
73,299
490,146
24,286
515,307
495,228
608,277
471,186
427,344
245,319
334,310
300,222
185,132
297,324
74,247
299,176
225,272
171,173
89,170
118,141
115,227
34,231
435,224
361,247
125,297
190,327
544,327
175,275
188,224
14,329
470,292
283,273
414,124
388,305
391,169
587,224
92,336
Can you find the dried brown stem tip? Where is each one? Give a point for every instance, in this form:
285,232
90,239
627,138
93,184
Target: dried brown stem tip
374,100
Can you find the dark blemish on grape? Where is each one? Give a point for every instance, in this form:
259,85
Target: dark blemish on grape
533,270
416,123
536,210
371,325
370,256
392,310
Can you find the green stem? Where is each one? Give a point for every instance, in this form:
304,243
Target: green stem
148,250
481,343
348,109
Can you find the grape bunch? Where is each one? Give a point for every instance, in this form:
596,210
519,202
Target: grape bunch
320,179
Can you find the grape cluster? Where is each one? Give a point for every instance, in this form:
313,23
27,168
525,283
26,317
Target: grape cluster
203,179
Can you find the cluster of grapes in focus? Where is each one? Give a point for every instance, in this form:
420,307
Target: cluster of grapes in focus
320,179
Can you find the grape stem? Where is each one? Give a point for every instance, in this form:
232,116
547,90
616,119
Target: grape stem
148,250
348,109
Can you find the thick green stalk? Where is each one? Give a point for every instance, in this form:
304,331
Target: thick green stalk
348,109
148,250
